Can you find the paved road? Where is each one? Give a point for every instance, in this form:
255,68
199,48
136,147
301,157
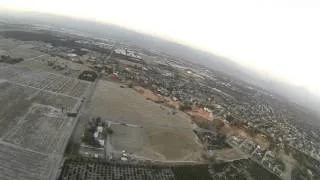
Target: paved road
290,164
29,59
33,58
26,60
107,144
88,95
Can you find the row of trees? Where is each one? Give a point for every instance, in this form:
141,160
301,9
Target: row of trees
10,60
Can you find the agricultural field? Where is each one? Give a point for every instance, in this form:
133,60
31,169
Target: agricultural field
20,164
41,64
90,170
84,169
43,129
37,61
13,104
34,127
17,49
17,100
163,136
3,64
6,44
10,73
45,81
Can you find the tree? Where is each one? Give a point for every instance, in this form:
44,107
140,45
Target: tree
185,107
219,124
229,118
105,132
98,121
109,130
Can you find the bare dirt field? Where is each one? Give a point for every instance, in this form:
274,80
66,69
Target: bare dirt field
200,112
164,136
229,154
127,138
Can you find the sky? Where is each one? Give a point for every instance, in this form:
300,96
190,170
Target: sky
276,38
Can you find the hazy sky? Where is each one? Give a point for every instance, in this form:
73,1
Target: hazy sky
276,37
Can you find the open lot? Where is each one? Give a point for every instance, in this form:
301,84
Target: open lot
127,138
163,136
